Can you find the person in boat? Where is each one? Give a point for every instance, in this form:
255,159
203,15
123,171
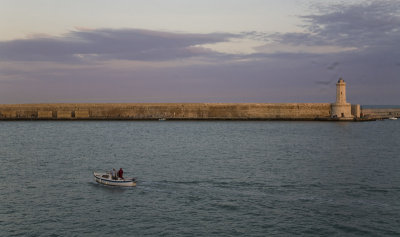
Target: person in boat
121,173
113,174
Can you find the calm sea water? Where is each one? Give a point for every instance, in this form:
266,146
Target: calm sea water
201,178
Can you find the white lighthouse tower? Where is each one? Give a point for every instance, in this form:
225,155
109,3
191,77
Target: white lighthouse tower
341,109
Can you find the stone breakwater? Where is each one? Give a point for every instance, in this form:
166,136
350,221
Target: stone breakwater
187,111
381,113
173,111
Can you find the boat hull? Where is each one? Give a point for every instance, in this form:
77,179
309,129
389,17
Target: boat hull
100,178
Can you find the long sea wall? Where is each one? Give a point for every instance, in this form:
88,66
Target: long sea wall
172,111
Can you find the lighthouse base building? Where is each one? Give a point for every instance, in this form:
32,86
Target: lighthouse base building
341,111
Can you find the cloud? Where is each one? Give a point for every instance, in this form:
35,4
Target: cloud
110,44
333,66
367,24
361,38
366,33
358,42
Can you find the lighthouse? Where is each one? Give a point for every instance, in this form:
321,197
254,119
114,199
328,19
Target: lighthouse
341,109
341,92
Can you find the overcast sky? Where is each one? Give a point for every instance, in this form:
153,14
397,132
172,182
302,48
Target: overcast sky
266,51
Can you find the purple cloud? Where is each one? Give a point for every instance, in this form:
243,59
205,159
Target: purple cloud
109,44
371,30
368,24
372,69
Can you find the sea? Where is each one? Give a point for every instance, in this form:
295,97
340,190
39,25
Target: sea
200,178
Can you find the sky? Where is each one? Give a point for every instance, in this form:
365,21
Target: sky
231,51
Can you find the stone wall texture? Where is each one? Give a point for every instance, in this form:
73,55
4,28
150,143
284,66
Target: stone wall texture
356,110
380,113
178,111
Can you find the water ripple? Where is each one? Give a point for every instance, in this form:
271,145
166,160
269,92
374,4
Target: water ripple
200,179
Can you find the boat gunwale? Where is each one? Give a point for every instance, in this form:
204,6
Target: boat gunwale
113,181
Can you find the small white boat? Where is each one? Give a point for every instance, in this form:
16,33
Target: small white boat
393,118
105,178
